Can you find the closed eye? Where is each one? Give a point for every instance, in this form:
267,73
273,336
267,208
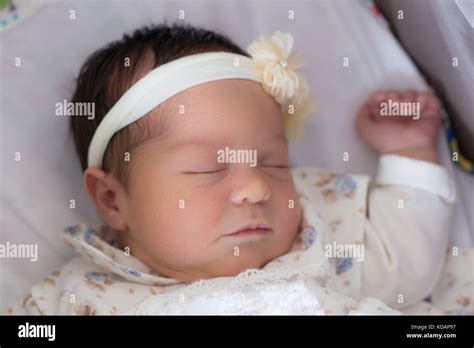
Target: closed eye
206,172
276,166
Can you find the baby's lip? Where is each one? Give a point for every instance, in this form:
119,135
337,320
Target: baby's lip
251,228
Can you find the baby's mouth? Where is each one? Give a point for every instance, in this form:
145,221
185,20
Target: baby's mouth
251,229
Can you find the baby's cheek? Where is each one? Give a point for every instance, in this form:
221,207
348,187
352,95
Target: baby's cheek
191,227
288,212
172,243
177,222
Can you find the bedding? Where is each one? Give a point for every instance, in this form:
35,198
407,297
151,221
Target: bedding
41,190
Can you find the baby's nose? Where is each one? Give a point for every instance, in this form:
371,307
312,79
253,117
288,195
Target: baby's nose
252,189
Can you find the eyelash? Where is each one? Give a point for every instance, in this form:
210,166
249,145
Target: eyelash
278,166
208,172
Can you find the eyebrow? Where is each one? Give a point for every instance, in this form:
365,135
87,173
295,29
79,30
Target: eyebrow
197,142
206,142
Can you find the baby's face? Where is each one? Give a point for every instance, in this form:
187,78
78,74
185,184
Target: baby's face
184,204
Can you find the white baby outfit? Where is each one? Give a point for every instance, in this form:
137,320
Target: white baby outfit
396,226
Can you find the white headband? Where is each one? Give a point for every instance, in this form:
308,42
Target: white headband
271,66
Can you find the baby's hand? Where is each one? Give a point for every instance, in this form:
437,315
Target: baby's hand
381,125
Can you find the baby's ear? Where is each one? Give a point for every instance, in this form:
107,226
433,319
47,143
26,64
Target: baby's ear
109,197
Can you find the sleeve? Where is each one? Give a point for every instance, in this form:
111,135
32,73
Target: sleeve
406,230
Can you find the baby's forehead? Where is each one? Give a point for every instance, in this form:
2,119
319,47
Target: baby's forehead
230,95
215,115
223,107
170,133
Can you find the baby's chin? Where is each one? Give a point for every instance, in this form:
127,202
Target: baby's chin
230,271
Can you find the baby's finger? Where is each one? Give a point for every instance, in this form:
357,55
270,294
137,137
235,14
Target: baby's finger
409,96
374,100
395,96
429,105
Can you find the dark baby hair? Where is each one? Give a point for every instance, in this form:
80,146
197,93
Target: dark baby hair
109,72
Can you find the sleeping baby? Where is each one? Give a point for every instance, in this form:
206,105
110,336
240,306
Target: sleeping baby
186,161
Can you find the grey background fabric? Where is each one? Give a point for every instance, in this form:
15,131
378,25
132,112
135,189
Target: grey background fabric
433,32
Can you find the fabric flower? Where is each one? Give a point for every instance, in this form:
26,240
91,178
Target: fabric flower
131,271
89,236
72,230
94,276
277,67
345,185
343,264
308,236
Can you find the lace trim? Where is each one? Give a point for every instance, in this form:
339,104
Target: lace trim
245,292
281,298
